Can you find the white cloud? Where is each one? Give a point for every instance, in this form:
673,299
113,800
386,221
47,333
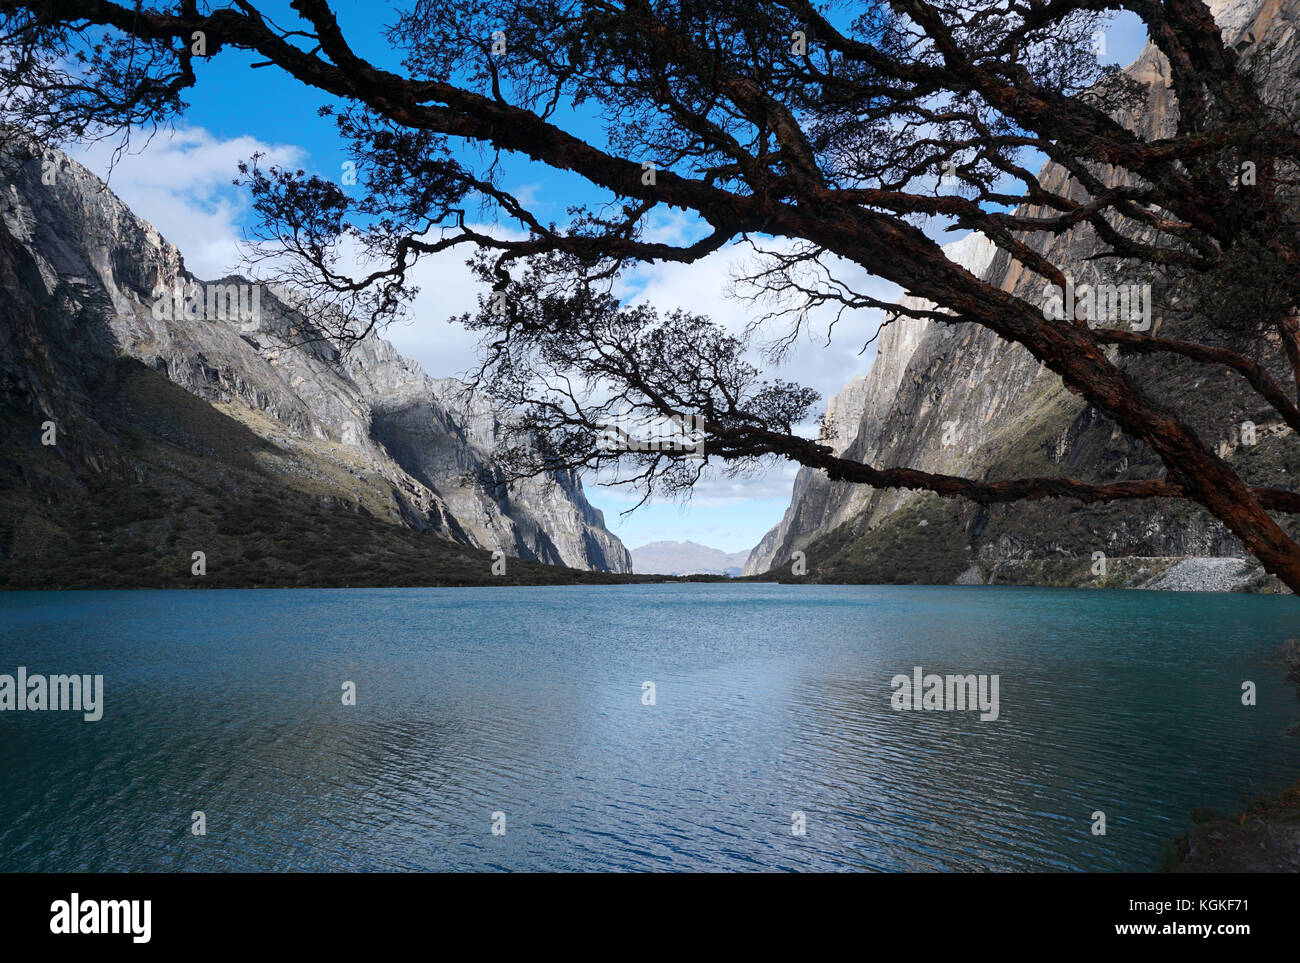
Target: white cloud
447,289
180,182
822,358
715,489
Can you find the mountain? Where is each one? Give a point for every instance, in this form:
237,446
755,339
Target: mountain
185,416
685,558
817,506
957,399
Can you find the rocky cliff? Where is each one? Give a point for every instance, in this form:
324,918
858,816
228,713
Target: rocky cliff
956,399
120,333
852,426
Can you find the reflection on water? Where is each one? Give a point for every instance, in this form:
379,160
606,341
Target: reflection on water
769,700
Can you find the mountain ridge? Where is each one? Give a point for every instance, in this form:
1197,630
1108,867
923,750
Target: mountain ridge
364,431
685,558
957,399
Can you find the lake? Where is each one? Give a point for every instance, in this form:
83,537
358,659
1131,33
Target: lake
525,710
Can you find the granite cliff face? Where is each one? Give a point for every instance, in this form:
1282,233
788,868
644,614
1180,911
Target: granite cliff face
957,399
853,427
366,430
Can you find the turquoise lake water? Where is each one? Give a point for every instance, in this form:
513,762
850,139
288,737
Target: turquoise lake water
769,701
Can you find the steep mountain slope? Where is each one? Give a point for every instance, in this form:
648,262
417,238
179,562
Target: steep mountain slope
850,427
956,399
204,424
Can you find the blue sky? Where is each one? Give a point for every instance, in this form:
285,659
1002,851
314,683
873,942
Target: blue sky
181,182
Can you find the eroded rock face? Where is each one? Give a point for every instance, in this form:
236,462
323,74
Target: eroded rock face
858,418
368,426
957,399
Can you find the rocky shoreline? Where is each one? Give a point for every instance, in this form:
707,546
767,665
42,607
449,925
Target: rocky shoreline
1171,573
1265,838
